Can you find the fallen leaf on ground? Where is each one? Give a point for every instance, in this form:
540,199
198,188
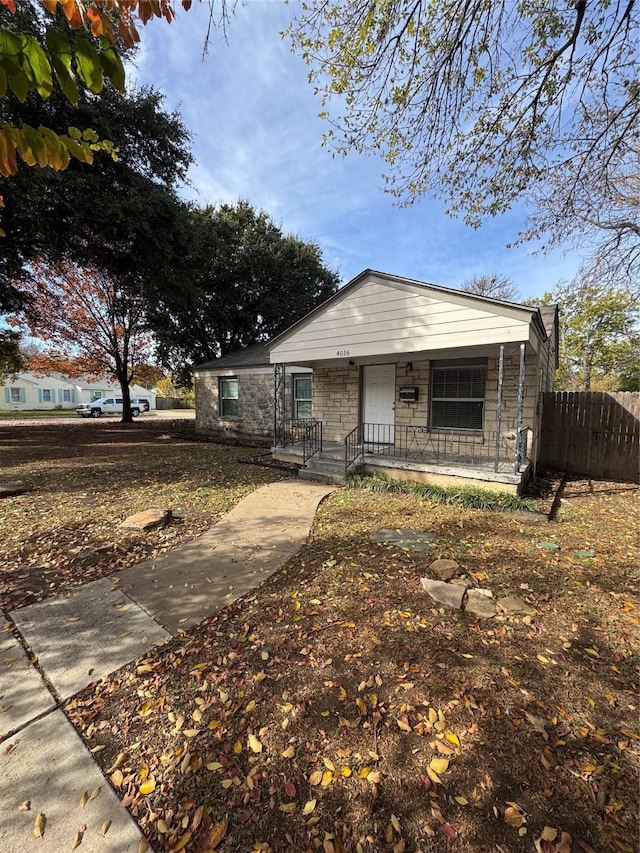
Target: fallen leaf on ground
39,825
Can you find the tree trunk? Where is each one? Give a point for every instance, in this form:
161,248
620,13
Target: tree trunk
127,417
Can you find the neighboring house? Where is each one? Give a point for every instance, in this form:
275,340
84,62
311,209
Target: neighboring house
420,382
235,395
31,390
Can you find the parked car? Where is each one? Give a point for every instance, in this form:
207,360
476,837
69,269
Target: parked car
144,404
108,406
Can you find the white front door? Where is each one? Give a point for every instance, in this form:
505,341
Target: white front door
378,410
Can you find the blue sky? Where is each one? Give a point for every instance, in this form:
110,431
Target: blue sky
257,136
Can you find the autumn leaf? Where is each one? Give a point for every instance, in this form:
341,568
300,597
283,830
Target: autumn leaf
254,743
39,825
309,806
217,833
148,786
514,815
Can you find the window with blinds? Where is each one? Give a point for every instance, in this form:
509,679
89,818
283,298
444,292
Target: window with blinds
457,395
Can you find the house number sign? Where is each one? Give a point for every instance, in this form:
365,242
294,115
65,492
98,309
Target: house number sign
342,352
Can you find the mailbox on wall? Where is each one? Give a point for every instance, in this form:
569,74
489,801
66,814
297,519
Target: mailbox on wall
409,394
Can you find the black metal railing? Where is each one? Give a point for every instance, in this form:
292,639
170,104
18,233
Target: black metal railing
460,448
353,447
311,441
291,430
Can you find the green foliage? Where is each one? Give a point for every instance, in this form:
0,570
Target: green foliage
29,64
11,359
599,338
240,281
468,496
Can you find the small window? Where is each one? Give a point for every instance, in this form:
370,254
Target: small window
96,395
229,398
302,405
46,395
15,395
457,396
66,395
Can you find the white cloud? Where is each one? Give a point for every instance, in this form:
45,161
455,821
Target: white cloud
257,136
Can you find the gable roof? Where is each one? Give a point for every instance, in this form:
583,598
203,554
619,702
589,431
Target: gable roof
371,303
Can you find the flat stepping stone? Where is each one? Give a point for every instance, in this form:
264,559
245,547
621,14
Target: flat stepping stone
48,764
447,594
445,569
480,603
149,519
512,605
406,537
90,633
23,694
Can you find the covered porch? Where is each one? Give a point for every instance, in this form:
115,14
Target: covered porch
461,419
418,382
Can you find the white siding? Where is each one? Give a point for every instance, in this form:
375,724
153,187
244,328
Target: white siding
376,318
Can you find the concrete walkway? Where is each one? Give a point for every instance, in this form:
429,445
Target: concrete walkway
101,626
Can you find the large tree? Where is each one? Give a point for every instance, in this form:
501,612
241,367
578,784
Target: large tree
124,215
240,282
89,323
495,285
599,338
486,103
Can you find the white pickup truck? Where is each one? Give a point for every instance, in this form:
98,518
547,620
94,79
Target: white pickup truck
110,406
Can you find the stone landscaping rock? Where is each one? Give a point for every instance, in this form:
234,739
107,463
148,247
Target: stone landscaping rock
150,519
448,594
514,606
445,569
480,603
9,490
415,540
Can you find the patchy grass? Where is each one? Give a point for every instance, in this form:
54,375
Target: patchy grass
467,496
87,478
336,709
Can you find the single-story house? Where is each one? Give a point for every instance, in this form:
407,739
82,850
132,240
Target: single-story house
419,382
235,395
32,390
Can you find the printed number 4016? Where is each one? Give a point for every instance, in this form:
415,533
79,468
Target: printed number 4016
343,352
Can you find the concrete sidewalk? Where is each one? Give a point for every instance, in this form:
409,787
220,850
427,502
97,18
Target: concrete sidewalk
103,625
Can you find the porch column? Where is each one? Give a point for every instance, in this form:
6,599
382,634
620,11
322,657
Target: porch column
520,407
279,404
499,409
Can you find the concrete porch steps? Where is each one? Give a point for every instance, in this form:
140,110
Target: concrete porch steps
326,467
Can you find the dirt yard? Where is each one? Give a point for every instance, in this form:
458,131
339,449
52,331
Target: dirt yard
337,708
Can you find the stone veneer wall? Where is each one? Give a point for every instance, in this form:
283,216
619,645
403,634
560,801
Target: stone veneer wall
336,394
255,405
336,400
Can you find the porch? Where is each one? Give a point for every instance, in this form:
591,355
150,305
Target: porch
498,461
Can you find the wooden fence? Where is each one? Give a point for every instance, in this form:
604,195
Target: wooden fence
593,433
